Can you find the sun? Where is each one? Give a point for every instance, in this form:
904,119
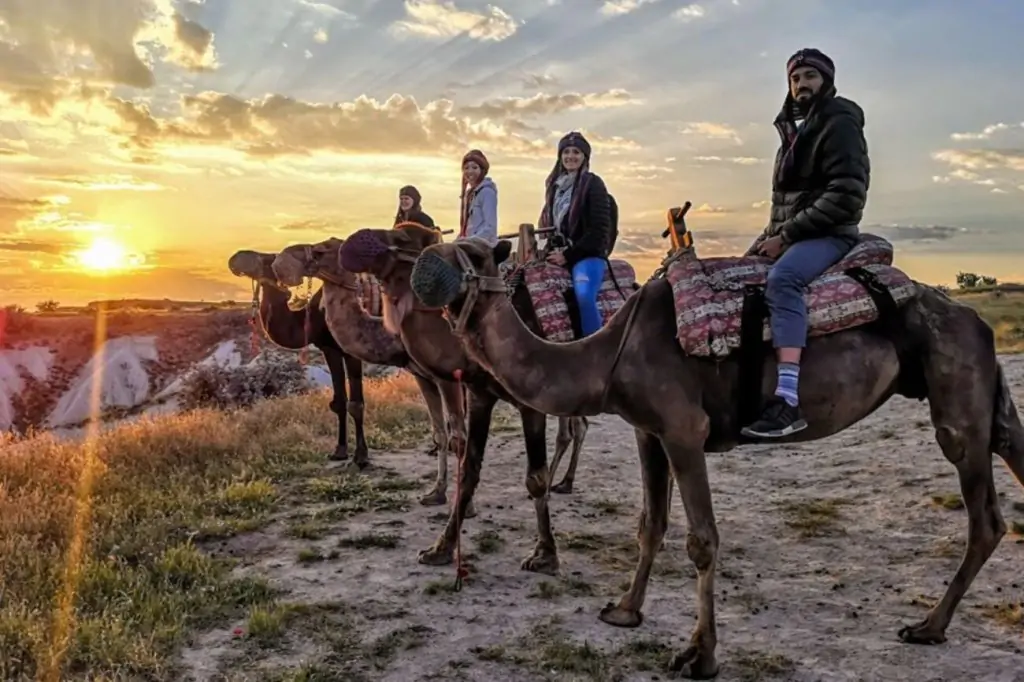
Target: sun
105,255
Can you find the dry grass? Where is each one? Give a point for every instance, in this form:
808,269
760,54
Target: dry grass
161,488
1003,309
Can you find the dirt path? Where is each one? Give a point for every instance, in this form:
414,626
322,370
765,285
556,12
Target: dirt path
827,548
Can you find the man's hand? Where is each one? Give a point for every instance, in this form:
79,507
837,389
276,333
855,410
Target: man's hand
557,258
772,247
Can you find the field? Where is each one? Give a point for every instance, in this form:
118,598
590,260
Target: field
223,546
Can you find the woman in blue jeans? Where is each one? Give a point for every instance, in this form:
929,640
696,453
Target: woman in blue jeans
576,205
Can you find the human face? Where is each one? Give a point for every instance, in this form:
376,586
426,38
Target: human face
405,202
572,159
471,172
804,83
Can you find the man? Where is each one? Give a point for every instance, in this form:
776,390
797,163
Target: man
819,188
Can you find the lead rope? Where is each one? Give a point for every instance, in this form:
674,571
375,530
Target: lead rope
254,335
461,572
304,353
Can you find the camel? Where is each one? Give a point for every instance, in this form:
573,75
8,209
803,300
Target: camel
430,342
286,328
682,406
363,336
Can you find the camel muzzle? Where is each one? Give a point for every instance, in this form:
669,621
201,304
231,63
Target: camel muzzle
435,281
361,251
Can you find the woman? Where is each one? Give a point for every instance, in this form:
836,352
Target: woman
409,209
577,206
478,215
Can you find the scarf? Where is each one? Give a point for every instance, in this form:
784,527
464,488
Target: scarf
562,202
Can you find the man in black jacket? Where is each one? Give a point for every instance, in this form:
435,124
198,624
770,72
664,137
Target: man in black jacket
819,188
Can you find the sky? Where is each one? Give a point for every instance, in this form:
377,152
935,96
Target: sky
144,141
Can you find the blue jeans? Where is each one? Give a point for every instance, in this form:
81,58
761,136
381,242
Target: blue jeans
801,264
587,277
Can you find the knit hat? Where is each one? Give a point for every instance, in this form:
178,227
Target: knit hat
412,193
812,57
477,156
574,139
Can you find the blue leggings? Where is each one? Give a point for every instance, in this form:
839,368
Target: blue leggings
587,277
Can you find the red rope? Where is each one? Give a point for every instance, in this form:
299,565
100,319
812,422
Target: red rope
254,336
304,353
461,570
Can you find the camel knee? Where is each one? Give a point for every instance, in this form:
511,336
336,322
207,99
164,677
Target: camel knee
537,482
702,548
952,443
355,409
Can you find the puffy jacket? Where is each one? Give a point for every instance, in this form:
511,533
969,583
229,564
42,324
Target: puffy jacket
821,174
589,221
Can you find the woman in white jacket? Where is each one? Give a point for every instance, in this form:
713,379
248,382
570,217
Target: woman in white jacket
478,215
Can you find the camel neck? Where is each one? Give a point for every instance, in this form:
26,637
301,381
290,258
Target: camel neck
560,379
357,332
284,326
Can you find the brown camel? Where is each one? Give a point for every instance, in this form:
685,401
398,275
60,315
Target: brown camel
430,342
683,406
363,335
287,328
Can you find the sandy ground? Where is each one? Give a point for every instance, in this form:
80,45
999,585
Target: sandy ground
809,591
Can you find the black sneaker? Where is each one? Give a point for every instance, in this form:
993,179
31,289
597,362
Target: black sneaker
779,419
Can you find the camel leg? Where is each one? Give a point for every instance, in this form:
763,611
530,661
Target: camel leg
335,359
690,470
1008,432
454,397
481,408
436,409
653,524
578,428
563,439
544,557
356,407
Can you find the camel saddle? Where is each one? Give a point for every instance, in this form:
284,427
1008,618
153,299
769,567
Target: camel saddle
554,301
369,294
719,302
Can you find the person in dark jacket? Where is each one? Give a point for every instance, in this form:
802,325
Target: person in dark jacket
576,205
410,209
819,188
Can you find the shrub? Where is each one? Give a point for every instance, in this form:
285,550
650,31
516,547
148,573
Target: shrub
222,387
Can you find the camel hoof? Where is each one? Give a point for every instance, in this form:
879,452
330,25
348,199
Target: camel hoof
435,557
620,617
563,488
541,562
340,454
361,459
470,511
691,665
432,452
434,498
921,633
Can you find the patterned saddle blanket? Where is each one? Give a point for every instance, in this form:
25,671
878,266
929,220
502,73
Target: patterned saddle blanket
369,293
709,294
550,289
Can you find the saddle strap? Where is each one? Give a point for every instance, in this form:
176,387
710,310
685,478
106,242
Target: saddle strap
752,352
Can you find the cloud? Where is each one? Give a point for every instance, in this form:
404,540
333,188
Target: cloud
712,131
277,125
988,131
689,13
124,38
619,7
436,20
708,208
915,233
982,159
308,225
115,182
738,160
40,247
15,210
538,81
546,105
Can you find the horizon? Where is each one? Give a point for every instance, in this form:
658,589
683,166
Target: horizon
143,142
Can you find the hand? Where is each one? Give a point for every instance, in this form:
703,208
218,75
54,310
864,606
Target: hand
772,247
558,258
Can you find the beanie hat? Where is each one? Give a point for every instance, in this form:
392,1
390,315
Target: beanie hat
812,57
574,139
477,156
412,193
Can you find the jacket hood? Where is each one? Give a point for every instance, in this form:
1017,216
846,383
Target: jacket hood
486,182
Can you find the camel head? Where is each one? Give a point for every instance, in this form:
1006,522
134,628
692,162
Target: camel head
299,261
254,265
454,275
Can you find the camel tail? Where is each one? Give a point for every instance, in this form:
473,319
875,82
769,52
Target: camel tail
1007,430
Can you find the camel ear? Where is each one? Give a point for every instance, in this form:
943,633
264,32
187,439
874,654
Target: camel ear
501,251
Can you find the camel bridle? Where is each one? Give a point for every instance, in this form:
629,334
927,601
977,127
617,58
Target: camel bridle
472,284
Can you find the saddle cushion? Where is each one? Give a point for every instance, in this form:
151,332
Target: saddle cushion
709,293
369,293
547,284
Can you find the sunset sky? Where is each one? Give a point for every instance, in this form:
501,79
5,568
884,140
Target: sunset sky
143,141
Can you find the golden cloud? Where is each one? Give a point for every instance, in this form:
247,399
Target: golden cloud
444,20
